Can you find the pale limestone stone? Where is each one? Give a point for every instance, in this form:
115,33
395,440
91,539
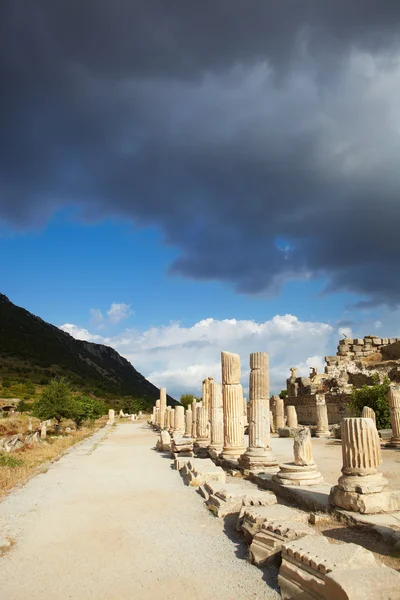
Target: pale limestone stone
394,403
291,416
279,406
43,430
166,417
202,426
188,423
369,413
228,498
369,583
361,488
217,421
201,471
30,426
163,405
271,422
252,518
230,368
232,398
153,417
303,471
179,421
111,416
206,395
171,420
194,419
259,454
322,417
266,545
307,561
293,372
165,441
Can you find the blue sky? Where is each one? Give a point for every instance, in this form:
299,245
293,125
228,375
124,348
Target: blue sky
202,180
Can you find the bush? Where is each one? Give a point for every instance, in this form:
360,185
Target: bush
23,406
376,397
86,408
283,394
55,401
187,399
133,406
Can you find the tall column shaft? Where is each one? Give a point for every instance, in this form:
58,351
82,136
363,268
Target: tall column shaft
217,418
158,422
322,417
394,404
188,422
279,413
163,405
232,398
291,416
202,423
179,423
172,419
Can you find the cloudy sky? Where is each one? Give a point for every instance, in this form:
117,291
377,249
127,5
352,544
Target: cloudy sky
180,178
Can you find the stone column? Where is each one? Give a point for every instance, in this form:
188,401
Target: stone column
166,417
217,421
232,398
194,419
171,420
394,403
369,413
279,412
271,422
111,416
30,427
206,394
258,455
153,417
179,423
245,413
291,415
188,422
43,430
361,486
322,417
202,426
163,405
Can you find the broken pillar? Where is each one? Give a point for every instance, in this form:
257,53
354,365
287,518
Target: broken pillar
179,422
279,407
163,405
217,421
394,404
111,416
232,398
188,422
368,413
303,471
291,416
322,417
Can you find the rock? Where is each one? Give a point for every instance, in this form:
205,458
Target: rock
288,431
372,583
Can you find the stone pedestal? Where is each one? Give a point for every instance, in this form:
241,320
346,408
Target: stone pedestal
394,403
188,423
258,455
322,417
303,471
361,488
217,421
179,422
291,416
232,397
279,412
163,405
111,417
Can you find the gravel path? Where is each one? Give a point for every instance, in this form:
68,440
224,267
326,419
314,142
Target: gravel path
111,520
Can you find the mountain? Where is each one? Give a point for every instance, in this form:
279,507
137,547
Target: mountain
33,350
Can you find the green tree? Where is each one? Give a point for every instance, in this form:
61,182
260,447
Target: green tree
23,406
55,402
283,394
133,405
6,382
376,397
85,408
187,399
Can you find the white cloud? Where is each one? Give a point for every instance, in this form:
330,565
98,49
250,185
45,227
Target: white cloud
96,316
80,333
180,357
118,312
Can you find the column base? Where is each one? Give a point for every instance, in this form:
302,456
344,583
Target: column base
380,502
232,453
299,475
258,459
214,451
394,443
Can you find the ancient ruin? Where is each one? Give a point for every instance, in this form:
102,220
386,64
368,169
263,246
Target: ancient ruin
232,396
394,403
216,421
303,471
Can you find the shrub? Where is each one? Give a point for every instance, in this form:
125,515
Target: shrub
86,408
55,401
23,406
376,397
133,406
283,394
187,399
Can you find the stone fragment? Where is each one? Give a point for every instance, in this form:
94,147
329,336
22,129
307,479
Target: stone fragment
288,431
229,498
271,422
369,413
202,470
307,561
267,544
303,471
369,583
252,518
291,416
202,440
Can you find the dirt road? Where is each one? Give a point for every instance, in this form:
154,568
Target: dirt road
112,521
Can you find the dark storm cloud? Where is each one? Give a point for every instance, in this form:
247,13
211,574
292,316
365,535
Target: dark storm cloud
262,137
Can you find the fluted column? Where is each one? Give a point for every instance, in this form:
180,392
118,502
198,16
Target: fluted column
360,485
166,417
291,415
322,417
394,404
232,398
188,422
259,454
158,422
217,420
172,420
202,426
194,419
179,423
163,405
368,413
279,412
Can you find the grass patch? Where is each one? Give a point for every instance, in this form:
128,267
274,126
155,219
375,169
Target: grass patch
32,460
10,461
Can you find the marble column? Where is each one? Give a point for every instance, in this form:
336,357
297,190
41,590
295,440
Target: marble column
322,417
360,488
166,417
368,413
394,404
291,415
157,421
188,422
153,417
111,416
171,420
179,422
194,419
258,455
217,421
202,440
279,412
163,405
232,398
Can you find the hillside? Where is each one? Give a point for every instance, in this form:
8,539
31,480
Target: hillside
33,350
